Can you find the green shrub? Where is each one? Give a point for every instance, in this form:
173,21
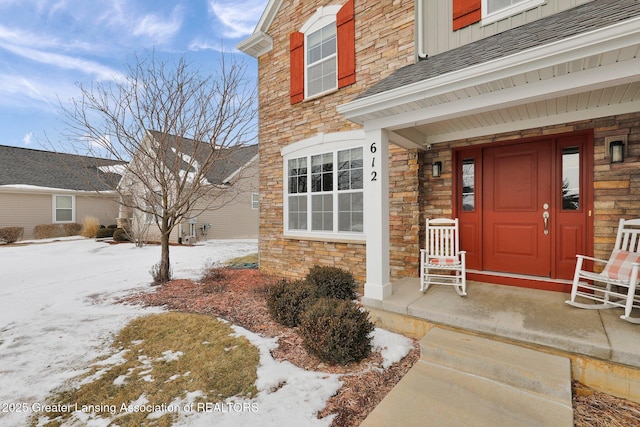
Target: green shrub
47,231
332,282
11,234
288,300
120,235
336,331
113,226
72,229
102,233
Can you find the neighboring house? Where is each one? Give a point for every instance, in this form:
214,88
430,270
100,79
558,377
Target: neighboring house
376,115
43,187
226,208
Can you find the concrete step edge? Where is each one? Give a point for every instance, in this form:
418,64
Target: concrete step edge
520,367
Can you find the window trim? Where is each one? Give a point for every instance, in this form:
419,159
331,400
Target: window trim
55,208
320,144
514,9
255,201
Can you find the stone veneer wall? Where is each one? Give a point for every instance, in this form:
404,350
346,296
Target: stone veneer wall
616,186
384,43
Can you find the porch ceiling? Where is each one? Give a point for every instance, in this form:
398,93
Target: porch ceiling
584,77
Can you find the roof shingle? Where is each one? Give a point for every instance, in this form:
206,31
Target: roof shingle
587,17
25,166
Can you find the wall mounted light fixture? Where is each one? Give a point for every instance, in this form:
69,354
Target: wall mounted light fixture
436,169
616,149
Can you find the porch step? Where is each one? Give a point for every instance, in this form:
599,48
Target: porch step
466,380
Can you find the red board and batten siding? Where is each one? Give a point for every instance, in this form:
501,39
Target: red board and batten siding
465,13
346,34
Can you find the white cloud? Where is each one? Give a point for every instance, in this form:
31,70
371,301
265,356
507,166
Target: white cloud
159,28
22,91
100,71
102,143
28,138
200,43
238,17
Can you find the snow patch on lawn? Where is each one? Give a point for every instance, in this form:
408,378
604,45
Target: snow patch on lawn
58,315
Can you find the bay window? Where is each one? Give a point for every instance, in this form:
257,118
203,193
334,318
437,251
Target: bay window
324,193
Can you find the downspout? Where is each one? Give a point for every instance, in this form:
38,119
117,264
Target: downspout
420,30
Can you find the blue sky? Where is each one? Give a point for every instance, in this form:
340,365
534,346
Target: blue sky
48,46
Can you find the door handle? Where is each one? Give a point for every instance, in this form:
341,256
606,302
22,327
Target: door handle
545,218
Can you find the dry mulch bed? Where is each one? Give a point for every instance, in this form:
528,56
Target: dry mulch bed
239,297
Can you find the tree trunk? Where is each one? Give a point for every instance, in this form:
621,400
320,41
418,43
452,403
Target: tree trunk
165,266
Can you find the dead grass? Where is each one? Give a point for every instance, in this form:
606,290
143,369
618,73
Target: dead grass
247,259
90,226
243,303
157,360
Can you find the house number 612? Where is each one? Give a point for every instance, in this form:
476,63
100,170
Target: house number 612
373,149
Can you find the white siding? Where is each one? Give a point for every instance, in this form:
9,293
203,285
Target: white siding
438,35
30,209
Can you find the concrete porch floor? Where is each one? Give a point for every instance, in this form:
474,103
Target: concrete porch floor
604,350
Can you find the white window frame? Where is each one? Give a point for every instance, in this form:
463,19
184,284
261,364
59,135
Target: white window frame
325,15
55,208
255,201
322,144
520,6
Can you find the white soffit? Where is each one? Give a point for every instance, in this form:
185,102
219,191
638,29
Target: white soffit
599,70
259,43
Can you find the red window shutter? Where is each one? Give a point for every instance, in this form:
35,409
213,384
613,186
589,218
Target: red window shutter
465,13
346,33
296,67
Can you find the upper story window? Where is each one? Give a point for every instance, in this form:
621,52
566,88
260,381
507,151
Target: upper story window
322,60
322,53
494,10
467,12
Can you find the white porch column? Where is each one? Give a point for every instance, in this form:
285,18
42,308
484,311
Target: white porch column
376,213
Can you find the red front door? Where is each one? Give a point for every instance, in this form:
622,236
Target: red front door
525,206
517,202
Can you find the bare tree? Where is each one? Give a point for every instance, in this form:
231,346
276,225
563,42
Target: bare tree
175,126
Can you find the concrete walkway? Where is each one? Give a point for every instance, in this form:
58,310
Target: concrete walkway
465,380
481,353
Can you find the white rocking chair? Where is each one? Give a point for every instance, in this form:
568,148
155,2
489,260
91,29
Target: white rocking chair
442,262
616,285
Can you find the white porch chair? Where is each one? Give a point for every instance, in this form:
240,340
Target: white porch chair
442,262
616,285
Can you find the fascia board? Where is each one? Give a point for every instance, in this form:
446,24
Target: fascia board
583,45
591,79
259,42
34,189
241,168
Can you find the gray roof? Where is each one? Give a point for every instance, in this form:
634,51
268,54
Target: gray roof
25,166
228,160
587,17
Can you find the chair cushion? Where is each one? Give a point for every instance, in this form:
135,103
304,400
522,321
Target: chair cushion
620,264
444,261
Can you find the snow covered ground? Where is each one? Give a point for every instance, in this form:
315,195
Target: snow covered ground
57,314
